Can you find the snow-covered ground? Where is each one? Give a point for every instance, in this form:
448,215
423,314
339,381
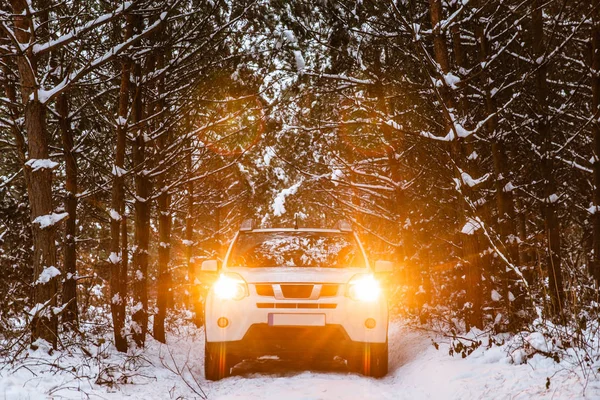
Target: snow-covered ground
417,371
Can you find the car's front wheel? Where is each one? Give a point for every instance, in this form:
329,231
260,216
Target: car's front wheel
217,364
371,360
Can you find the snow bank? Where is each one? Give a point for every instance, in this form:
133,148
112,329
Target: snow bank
418,371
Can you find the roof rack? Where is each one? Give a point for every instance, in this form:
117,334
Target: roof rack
343,226
247,225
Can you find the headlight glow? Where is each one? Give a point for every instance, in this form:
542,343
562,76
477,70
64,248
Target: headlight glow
230,287
364,288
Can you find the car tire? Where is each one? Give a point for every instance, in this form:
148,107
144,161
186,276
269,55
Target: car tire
217,364
371,360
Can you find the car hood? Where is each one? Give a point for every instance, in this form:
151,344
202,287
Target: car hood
297,275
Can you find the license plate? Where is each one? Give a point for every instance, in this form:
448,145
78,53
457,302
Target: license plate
296,319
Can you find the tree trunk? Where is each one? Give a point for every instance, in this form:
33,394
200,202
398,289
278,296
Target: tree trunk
70,313
140,252
44,323
470,245
124,260
142,215
415,279
193,288
164,254
11,95
440,48
164,224
461,154
118,289
595,265
504,196
553,258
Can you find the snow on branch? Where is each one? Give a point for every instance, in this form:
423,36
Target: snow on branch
38,309
456,131
47,274
37,164
450,79
469,180
118,171
114,215
114,258
575,165
278,203
342,77
45,95
47,221
81,30
300,63
470,227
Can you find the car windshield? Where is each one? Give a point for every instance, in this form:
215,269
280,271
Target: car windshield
296,249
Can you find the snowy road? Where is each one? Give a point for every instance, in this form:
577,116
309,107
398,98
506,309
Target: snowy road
273,379
417,371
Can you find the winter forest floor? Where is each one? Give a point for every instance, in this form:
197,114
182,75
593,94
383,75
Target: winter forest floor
417,371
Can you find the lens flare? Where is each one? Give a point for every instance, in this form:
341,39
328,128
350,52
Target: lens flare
236,126
364,288
229,287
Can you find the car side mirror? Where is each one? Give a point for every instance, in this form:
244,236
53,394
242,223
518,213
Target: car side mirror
209,266
384,266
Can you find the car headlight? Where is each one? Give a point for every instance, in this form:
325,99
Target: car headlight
364,288
230,287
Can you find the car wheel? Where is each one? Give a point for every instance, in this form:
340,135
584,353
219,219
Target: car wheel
217,365
372,360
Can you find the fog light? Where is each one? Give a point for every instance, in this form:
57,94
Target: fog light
370,323
222,322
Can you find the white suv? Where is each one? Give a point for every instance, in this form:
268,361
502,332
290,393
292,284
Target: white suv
296,293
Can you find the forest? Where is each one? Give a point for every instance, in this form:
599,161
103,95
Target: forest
461,139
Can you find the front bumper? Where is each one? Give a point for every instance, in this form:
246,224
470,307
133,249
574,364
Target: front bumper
249,330
296,342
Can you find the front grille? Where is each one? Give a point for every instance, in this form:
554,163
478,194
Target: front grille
296,291
329,290
299,291
264,290
297,305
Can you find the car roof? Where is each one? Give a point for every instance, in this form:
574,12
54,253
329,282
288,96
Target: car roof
319,230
